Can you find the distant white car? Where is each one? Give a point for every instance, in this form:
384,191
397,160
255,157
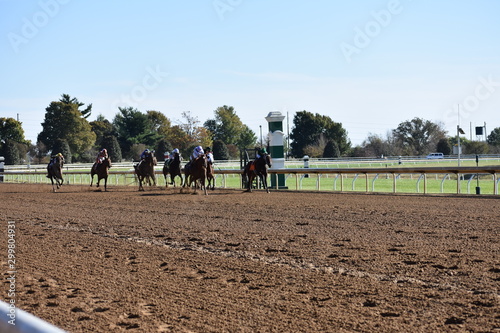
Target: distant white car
435,156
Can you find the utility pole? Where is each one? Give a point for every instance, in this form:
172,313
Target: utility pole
260,126
459,131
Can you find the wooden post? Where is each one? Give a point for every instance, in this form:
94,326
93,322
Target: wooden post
425,183
393,182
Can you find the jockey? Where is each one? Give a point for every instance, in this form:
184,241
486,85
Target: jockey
262,152
210,155
172,156
145,153
101,156
196,152
54,157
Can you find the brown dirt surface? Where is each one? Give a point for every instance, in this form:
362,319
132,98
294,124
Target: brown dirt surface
165,261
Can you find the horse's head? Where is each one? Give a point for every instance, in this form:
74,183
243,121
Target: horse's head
269,162
60,160
265,159
150,158
201,161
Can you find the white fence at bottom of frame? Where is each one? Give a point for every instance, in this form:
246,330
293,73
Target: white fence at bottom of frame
15,320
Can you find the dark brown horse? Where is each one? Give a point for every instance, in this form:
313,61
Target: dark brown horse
210,176
102,171
145,169
257,168
54,171
195,171
173,167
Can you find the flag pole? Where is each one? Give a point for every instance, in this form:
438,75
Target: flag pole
458,135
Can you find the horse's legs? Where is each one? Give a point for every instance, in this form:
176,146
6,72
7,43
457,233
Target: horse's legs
250,181
92,180
140,178
263,177
52,181
105,184
203,184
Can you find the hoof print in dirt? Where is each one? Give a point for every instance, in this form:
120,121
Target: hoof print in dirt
454,321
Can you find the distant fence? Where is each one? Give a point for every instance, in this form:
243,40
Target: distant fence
461,173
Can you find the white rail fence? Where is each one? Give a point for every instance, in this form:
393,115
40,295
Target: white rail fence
15,320
127,177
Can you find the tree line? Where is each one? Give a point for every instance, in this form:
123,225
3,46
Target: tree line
66,129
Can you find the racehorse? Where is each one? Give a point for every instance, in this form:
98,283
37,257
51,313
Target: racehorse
173,167
210,176
258,168
102,171
145,169
196,170
54,171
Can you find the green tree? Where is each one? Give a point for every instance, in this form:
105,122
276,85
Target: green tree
66,99
102,128
375,146
62,146
162,147
40,151
13,145
11,129
311,132
110,142
247,138
220,150
494,137
228,127
418,136
331,149
444,146
159,123
11,152
133,127
63,121
194,134
180,140
476,147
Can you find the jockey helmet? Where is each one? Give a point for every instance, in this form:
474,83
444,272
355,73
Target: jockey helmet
199,148
175,151
263,151
208,149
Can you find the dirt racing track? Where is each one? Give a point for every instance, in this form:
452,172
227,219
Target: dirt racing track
162,261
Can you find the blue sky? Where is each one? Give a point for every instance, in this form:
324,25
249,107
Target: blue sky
367,64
